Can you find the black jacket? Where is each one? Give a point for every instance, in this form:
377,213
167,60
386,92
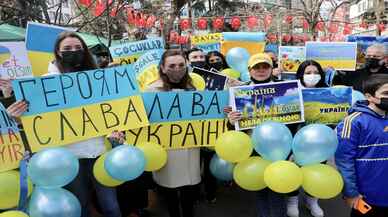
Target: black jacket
355,78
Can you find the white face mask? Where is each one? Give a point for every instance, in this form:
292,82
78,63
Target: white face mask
311,80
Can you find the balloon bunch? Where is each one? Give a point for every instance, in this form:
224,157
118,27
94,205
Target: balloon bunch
273,141
237,58
127,162
50,170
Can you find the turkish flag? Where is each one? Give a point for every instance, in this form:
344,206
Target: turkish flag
100,8
85,3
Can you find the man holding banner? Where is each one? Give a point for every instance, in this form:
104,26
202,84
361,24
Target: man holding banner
375,55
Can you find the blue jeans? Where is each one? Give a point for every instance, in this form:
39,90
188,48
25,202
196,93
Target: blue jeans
83,185
271,204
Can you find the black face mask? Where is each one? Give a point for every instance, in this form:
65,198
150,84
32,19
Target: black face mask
199,64
372,63
217,65
275,65
383,104
73,59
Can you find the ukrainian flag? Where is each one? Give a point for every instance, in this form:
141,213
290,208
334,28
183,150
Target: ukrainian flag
5,54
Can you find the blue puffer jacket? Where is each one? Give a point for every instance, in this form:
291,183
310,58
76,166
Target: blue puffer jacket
362,154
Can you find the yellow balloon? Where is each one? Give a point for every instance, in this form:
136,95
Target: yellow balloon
102,176
234,146
198,81
283,176
231,73
10,189
322,181
13,214
249,174
155,155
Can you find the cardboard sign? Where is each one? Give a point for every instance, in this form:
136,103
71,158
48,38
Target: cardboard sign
182,119
326,105
209,42
11,144
213,81
181,134
339,55
128,53
76,106
281,102
14,62
290,57
146,68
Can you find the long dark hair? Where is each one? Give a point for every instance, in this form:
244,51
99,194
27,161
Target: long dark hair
302,68
216,53
88,63
186,82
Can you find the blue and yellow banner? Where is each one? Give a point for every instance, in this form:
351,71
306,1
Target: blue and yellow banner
76,106
146,68
128,53
208,42
326,105
182,119
280,102
14,62
40,41
11,144
254,42
339,55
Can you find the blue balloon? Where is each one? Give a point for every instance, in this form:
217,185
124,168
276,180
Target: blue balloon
356,96
53,167
272,140
313,144
125,162
56,202
237,58
221,169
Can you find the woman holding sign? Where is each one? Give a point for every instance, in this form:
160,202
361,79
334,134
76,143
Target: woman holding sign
311,75
269,203
72,55
179,177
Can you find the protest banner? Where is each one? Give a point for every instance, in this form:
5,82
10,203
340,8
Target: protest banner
363,42
128,53
253,42
326,105
209,42
290,57
339,55
146,68
76,106
281,102
182,119
40,41
213,81
14,62
11,144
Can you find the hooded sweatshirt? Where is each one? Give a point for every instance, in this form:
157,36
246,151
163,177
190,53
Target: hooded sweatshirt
362,154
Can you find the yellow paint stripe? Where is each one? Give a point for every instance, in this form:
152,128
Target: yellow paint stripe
347,122
349,128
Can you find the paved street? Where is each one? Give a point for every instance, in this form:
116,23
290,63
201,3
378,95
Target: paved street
234,202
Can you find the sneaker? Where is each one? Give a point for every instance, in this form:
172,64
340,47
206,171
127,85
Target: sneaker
313,206
293,206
